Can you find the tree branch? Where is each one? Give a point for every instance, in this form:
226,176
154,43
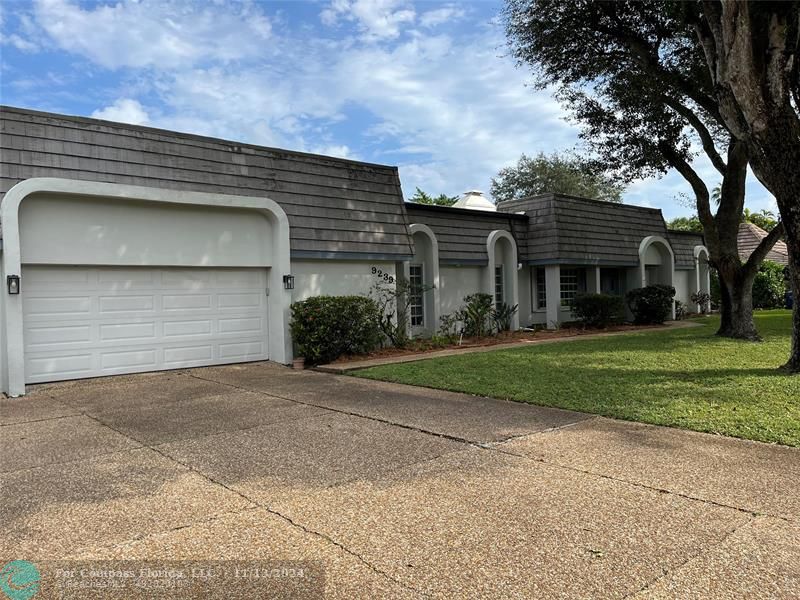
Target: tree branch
705,135
702,196
761,251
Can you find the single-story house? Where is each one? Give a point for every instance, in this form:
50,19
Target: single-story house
750,236
128,249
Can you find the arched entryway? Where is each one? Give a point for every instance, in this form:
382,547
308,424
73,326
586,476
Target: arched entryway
656,263
423,274
501,276
702,275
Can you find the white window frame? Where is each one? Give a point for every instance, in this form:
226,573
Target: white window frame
499,286
416,304
540,288
570,285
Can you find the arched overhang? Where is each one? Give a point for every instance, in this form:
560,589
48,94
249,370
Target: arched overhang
510,262
278,311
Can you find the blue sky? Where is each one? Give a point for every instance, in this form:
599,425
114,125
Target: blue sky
426,86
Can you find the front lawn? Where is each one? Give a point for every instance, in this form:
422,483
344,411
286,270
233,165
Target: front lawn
681,378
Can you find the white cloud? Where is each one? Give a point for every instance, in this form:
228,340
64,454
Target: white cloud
438,16
123,110
376,19
154,33
20,43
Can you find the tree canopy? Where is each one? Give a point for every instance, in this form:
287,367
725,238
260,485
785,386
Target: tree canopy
634,76
686,224
559,174
421,197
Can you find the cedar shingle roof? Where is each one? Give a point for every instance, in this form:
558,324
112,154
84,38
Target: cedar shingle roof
750,237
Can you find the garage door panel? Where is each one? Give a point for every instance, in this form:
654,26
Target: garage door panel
237,301
241,351
55,367
56,306
97,321
127,331
185,354
48,336
183,302
187,328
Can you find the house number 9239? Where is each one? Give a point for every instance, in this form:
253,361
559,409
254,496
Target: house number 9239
381,274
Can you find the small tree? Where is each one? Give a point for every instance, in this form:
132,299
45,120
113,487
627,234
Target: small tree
559,174
421,197
394,306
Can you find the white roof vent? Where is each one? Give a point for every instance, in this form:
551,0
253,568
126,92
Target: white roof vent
475,200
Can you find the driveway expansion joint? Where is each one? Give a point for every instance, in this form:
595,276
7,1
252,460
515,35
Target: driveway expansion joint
342,547
748,511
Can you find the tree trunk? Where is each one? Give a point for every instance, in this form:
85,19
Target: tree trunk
736,310
792,226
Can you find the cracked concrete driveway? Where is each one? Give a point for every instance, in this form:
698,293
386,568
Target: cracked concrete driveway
392,491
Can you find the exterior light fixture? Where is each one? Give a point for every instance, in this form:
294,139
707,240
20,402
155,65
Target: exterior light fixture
13,284
288,282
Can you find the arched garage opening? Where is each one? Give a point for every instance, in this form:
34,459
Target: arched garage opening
501,276
121,279
423,274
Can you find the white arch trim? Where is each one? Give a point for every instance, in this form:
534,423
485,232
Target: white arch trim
423,229
643,246
702,281
279,302
700,249
510,271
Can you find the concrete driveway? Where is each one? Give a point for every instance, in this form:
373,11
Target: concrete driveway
385,490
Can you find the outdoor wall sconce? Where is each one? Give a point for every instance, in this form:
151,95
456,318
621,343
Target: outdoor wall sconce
13,284
288,282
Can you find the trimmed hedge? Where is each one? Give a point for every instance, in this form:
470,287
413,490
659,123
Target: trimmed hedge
327,327
599,310
651,304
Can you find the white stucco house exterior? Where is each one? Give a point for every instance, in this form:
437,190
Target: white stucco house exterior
129,249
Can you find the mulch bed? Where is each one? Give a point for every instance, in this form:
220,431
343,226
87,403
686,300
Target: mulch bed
425,346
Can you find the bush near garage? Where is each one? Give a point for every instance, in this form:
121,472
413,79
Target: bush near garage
327,327
651,304
598,310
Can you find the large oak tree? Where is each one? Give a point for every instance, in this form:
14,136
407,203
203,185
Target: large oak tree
752,53
634,75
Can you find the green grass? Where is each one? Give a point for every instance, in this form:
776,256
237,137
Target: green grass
682,378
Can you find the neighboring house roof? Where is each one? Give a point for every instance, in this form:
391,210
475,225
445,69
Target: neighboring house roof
570,230
336,207
683,244
461,233
750,237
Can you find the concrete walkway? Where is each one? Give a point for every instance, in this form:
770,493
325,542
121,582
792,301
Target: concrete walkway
355,365
385,491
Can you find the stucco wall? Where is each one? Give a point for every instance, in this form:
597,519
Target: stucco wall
119,232
683,284
336,278
457,282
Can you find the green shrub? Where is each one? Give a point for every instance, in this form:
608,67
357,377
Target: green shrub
769,286
598,310
327,327
476,314
502,316
651,304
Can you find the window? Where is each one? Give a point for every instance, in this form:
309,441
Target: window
416,304
541,289
573,281
498,285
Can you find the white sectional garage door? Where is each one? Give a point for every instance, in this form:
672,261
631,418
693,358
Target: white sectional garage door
94,321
